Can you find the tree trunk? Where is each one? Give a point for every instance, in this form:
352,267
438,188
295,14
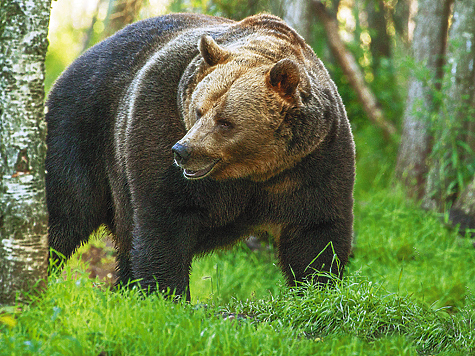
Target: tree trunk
401,19
463,211
380,40
353,72
23,217
429,46
452,157
121,13
297,15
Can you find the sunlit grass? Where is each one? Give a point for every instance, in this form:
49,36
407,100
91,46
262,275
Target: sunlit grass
78,317
238,273
412,251
358,307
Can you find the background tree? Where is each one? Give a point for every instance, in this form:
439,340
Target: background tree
352,70
458,139
452,160
462,212
380,44
121,13
428,46
299,15
436,158
23,217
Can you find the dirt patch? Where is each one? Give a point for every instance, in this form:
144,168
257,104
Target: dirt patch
101,262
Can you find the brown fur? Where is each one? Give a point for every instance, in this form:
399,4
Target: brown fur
233,86
253,122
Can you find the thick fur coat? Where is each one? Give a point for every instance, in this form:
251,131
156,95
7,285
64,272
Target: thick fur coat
185,133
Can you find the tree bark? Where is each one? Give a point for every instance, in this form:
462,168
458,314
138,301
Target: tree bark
353,72
297,15
463,211
121,13
428,46
23,217
452,154
401,19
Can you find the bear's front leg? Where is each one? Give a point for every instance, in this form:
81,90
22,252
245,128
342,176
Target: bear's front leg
161,258
305,250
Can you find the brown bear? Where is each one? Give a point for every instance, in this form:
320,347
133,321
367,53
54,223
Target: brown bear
186,133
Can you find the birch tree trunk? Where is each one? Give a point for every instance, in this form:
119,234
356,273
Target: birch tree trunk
297,14
452,157
23,217
429,47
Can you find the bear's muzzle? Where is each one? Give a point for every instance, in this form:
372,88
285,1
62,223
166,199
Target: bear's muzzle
182,153
199,170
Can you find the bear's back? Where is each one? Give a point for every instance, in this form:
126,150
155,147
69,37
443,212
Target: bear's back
109,66
82,104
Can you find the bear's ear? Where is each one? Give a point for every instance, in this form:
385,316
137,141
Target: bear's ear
285,76
212,53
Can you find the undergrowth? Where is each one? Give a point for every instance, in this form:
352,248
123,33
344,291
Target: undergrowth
358,307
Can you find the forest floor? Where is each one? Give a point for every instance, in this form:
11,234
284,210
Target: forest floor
100,261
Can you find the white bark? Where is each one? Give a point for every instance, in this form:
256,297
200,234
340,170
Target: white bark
23,217
297,14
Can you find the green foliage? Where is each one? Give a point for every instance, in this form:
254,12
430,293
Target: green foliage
382,75
451,153
238,9
410,251
76,317
223,275
375,159
359,308
232,9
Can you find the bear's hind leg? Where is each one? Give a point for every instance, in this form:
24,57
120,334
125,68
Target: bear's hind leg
76,209
64,237
305,251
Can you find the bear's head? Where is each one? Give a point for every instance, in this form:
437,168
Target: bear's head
242,113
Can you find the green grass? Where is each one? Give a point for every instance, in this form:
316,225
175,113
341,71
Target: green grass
356,317
76,318
411,251
239,273
408,290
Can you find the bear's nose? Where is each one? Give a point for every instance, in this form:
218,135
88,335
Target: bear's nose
182,153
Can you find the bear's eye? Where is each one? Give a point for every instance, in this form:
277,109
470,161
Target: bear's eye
224,124
198,114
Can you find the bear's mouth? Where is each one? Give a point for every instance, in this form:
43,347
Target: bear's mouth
200,173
